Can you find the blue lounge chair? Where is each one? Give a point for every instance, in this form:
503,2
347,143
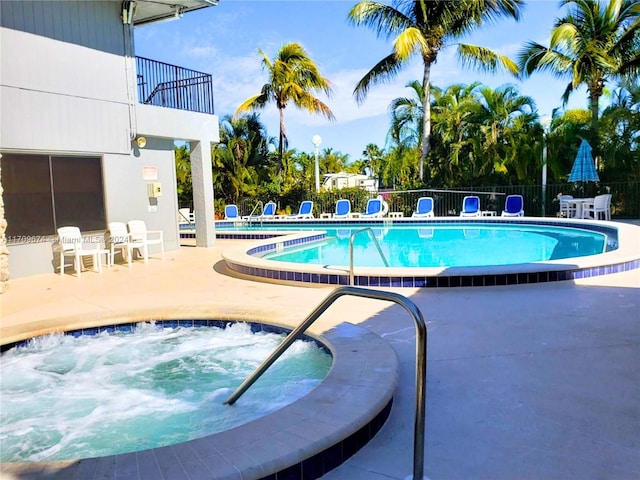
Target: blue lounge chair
343,209
231,212
305,211
471,207
269,211
424,208
513,206
374,208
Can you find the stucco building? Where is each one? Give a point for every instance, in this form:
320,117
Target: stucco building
87,129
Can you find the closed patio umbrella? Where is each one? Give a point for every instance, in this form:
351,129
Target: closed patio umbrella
584,169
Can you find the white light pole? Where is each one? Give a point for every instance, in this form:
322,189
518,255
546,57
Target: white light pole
317,140
545,121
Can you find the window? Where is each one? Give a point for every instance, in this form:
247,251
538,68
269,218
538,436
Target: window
44,192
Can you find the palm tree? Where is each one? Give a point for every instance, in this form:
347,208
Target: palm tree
422,28
241,156
596,42
293,77
406,117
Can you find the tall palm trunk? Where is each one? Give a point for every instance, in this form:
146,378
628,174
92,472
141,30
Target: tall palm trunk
426,119
283,137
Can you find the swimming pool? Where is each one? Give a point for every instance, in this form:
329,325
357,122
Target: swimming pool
78,396
439,245
585,249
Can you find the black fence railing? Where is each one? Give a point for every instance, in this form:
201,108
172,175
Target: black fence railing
625,201
165,85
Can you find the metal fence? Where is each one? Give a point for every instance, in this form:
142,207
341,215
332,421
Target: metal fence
165,85
625,201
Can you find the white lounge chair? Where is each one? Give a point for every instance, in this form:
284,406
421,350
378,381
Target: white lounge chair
513,206
471,207
424,208
231,212
138,233
305,211
374,208
343,209
186,216
71,245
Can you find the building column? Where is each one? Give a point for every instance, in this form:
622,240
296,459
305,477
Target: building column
202,178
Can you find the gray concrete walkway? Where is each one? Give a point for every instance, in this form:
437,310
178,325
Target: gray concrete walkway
524,382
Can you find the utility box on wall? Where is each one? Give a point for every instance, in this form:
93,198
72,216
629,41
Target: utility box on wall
154,189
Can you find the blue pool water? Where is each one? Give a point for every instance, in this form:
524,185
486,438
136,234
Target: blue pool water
452,245
66,397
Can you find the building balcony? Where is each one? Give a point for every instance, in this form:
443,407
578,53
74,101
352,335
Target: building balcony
164,85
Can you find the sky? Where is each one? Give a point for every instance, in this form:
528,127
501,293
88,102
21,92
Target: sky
224,40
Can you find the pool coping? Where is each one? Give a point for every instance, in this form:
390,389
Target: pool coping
305,439
243,260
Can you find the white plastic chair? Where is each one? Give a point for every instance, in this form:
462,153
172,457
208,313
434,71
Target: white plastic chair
138,233
567,209
601,205
120,239
71,245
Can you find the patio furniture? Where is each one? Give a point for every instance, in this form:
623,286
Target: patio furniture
513,206
471,207
305,211
601,205
424,208
343,209
120,239
566,209
138,233
71,245
374,208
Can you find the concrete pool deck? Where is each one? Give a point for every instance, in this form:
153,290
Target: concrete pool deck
534,381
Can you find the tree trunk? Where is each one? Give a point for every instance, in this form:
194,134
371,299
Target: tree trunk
426,120
281,143
4,251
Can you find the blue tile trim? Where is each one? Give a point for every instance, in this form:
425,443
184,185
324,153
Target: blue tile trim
489,279
185,323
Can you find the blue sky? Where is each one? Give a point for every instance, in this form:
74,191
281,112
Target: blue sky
223,41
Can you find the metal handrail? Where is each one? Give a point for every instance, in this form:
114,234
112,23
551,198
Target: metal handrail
421,359
259,202
375,241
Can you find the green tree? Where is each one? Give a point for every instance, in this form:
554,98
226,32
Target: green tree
620,134
597,41
292,77
183,174
374,159
407,117
241,157
422,28
503,116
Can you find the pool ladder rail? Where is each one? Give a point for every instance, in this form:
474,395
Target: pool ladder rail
421,358
375,242
250,217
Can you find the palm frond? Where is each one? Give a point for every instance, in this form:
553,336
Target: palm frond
381,73
385,20
485,60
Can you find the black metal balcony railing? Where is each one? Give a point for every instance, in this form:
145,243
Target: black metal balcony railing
165,85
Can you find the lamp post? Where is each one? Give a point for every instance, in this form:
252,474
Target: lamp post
317,140
545,121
